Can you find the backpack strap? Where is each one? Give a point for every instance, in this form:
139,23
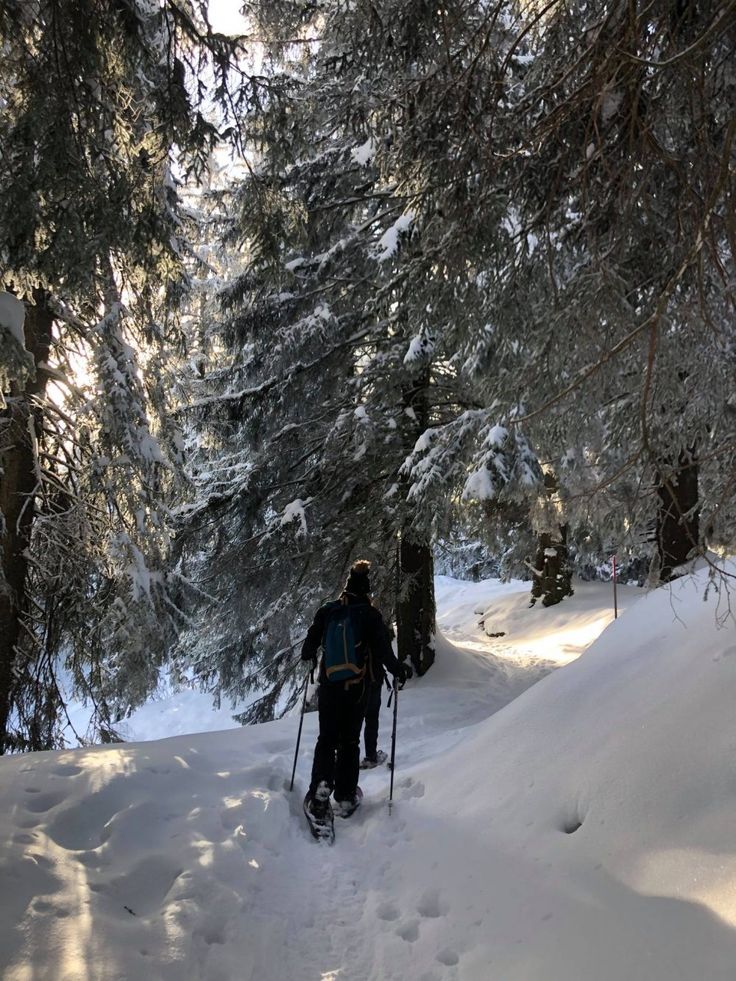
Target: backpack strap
367,666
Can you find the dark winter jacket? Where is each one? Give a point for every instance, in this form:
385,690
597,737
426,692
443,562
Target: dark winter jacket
378,670
375,633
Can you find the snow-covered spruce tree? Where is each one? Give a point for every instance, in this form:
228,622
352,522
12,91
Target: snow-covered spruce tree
94,102
610,342
363,222
552,570
629,202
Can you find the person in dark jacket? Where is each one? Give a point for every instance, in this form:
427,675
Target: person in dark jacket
342,705
374,690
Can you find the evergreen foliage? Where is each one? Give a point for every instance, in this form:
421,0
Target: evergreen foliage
472,274
473,278
95,109
628,202
344,326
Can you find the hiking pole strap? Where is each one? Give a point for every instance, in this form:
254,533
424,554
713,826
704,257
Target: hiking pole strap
307,680
396,687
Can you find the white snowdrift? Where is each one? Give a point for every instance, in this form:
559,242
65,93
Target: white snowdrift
605,815
582,833
556,634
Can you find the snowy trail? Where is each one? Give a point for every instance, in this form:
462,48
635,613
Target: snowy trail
155,863
193,845
526,846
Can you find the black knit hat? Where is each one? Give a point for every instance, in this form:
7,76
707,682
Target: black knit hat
359,580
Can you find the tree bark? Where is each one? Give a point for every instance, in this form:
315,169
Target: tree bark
415,614
415,608
678,519
20,424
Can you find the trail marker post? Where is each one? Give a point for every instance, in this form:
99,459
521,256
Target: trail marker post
615,593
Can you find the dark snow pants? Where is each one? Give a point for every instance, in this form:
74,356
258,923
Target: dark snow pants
372,710
337,753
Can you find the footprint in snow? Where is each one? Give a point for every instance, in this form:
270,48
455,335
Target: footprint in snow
430,905
27,879
387,911
66,770
409,931
82,825
40,803
448,957
27,823
142,889
412,788
212,932
24,839
40,907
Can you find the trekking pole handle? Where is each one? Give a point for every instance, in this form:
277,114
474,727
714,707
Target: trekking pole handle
397,686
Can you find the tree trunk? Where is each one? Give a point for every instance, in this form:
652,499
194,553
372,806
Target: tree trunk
678,526
415,614
552,572
415,610
20,424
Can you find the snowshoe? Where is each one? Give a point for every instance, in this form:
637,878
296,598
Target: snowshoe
318,812
369,762
344,808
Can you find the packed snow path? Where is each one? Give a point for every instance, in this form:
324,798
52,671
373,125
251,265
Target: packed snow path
582,834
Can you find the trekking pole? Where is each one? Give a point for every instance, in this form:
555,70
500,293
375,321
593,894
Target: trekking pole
309,679
395,695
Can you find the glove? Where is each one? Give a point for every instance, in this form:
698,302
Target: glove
308,655
404,673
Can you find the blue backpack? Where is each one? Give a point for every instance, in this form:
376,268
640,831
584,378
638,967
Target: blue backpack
343,646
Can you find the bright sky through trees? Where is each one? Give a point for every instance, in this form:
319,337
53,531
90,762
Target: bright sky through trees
225,16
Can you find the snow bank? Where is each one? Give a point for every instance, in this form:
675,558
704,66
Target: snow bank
560,633
169,712
605,811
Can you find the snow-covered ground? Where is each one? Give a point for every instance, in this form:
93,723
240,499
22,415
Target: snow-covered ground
583,832
168,712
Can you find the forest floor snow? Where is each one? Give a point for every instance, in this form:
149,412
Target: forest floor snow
579,830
